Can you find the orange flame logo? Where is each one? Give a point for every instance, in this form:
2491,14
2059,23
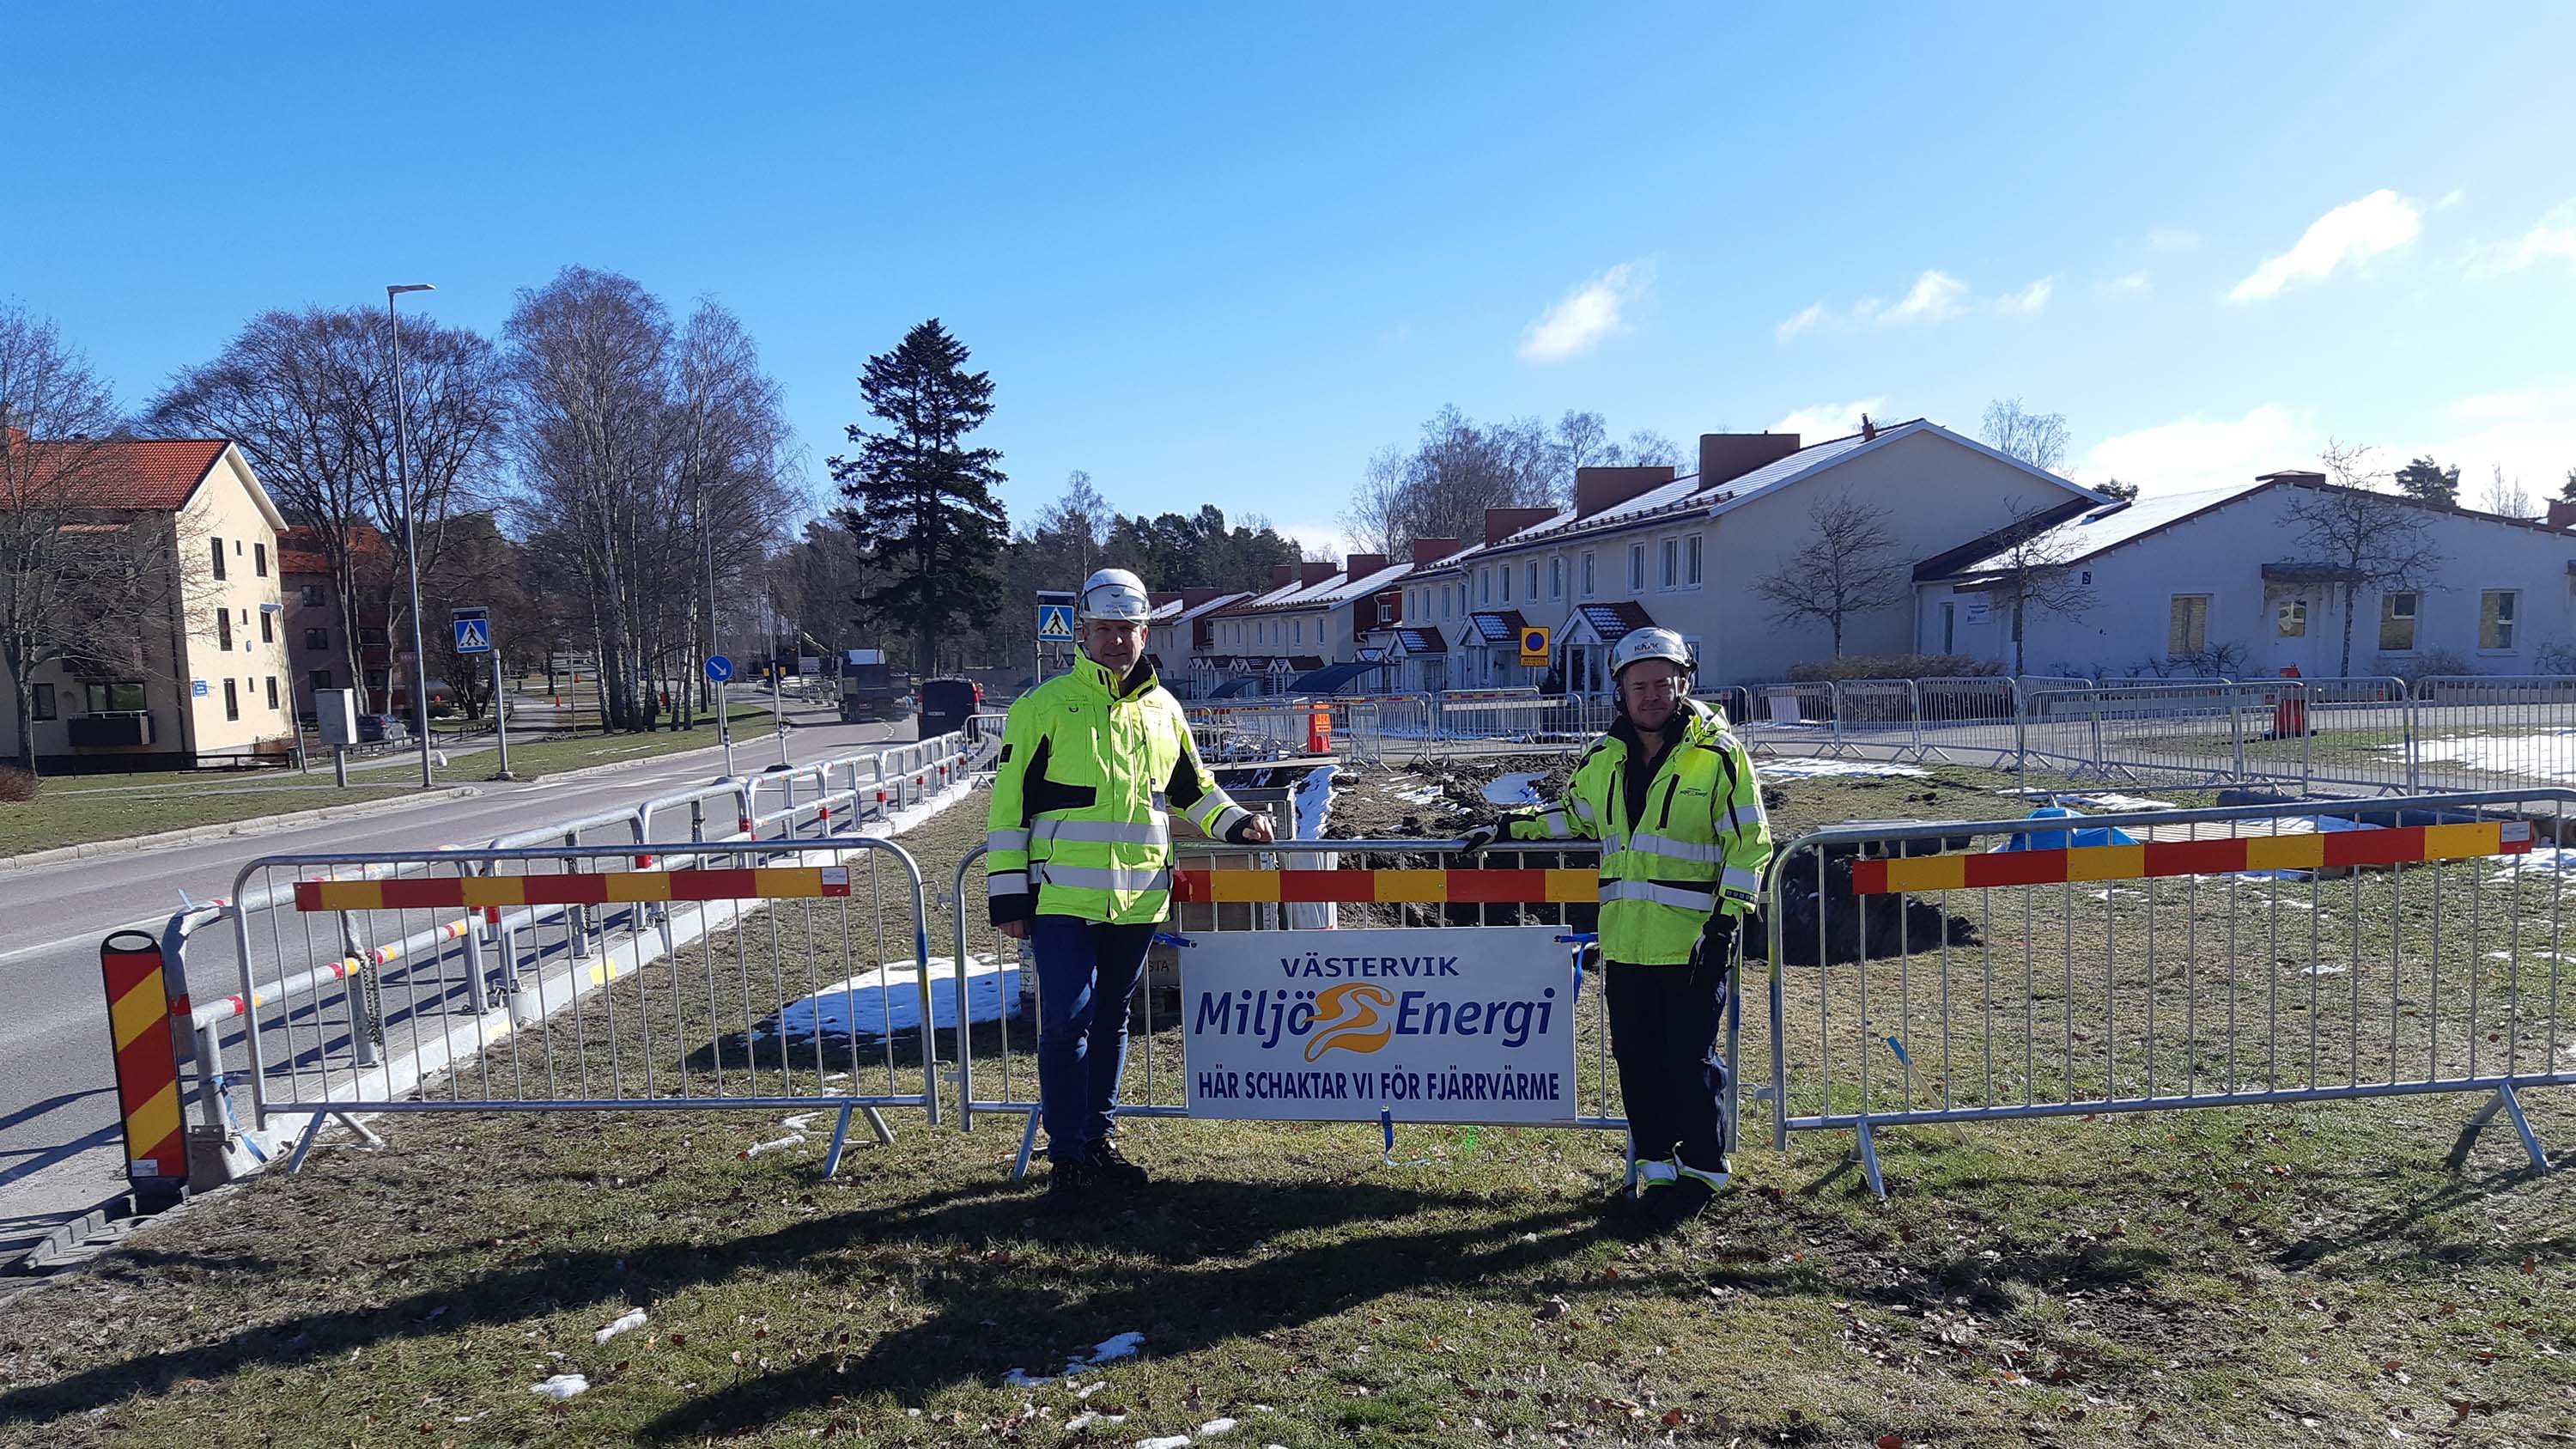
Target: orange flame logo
1346,1018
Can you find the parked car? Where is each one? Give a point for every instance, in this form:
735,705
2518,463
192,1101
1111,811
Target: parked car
382,729
946,705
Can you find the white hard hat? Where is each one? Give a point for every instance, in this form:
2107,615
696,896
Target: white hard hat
1649,643
1115,594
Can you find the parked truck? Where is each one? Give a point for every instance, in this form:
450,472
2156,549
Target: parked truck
868,688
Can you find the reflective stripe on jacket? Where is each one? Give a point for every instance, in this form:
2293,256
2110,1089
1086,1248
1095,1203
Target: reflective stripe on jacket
1091,766
1698,847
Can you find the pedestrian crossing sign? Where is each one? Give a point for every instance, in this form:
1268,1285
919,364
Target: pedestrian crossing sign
1055,623
473,636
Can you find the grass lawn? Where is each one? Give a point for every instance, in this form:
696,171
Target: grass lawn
534,757
77,809
2355,1273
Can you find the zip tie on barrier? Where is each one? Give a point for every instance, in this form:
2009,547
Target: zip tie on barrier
224,1094
1386,1154
1898,1047
1166,938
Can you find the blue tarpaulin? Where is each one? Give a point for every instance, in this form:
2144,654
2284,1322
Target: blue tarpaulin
2064,839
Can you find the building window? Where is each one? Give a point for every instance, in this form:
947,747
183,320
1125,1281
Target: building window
117,696
1385,612
1506,572
219,559
267,627
375,679
1587,573
1533,581
223,628
319,680
2397,623
2188,631
1556,578
272,692
2291,620
1672,561
232,701
2496,608
259,559
41,701
1690,560
317,638
1949,628
371,636
1485,585
1636,568
313,596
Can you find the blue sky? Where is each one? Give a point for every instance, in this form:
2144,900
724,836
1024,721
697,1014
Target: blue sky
1223,253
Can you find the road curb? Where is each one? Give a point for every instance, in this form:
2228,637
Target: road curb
262,825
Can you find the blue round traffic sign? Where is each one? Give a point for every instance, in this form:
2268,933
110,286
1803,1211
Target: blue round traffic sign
719,668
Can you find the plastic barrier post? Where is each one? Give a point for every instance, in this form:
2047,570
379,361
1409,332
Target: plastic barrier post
147,1062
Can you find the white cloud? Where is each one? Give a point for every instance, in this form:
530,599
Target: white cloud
2133,282
2553,239
2029,299
1830,420
2172,239
1800,323
2530,433
1589,313
2353,232
1936,297
1328,536
2195,453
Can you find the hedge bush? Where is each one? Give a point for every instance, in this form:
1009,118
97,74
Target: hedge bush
1895,666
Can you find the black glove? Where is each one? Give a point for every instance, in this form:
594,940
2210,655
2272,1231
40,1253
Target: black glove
1717,941
1480,836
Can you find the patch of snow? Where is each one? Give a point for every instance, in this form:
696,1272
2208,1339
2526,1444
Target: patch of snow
561,1386
632,1318
1314,802
1167,1441
2542,755
1514,789
2539,857
1808,768
1216,1427
1021,1379
1124,1345
1424,796
2324,968
876,1003
1089,1417
775,1144
2096,799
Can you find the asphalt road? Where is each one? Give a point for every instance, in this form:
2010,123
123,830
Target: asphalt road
61,1151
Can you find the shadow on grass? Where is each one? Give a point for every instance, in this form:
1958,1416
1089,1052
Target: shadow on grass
1231,1259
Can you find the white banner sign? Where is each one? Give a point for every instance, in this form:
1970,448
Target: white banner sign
1467,1024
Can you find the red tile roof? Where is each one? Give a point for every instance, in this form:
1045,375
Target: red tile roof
153,475
299,549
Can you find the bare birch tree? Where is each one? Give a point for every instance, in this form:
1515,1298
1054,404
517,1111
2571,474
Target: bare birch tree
2038,439
2031,572
308,398
1849,566
81,576
2365,538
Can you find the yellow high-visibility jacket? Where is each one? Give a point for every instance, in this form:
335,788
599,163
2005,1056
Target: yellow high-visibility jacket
1079,826
1696,845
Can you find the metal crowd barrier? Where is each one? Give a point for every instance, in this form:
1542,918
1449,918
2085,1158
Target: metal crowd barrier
312,1002
997,1057
2000,969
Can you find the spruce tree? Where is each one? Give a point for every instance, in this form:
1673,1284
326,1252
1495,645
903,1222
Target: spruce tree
921,502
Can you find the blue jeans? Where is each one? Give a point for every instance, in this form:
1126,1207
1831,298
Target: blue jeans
1087,973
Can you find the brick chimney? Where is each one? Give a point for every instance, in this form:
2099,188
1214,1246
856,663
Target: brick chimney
1723,456
1311,574
1282,575
1192,598
1362,565
2292,475
1432,550
1598,488
2562,514
1502,523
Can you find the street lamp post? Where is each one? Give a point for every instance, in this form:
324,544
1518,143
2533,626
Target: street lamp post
411,546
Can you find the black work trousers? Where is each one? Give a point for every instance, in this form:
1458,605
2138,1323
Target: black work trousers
1664,1024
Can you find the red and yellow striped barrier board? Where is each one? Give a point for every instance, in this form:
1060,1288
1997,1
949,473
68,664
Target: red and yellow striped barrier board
2323,850
1367,887
603,888
147,1058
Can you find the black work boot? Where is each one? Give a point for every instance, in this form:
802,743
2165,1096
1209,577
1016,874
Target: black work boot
1068,1183
1110,1168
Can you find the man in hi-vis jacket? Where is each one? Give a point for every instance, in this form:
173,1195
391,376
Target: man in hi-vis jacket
1078,861
1670,794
